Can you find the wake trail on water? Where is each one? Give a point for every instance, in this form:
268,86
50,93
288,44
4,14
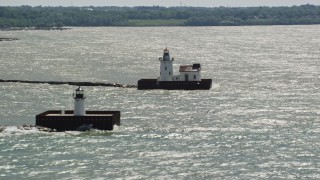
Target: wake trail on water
9,130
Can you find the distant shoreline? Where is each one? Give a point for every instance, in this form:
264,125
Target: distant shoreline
54,18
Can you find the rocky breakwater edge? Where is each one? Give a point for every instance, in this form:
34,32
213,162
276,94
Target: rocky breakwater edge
8,39
72,83
27,29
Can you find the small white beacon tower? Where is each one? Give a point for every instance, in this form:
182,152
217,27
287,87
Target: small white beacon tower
166,69
79,98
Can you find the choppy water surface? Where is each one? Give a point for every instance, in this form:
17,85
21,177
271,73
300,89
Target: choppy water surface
260,119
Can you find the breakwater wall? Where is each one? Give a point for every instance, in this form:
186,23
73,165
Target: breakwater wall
8,39
72,83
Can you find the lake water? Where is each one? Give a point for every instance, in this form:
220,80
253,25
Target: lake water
260,120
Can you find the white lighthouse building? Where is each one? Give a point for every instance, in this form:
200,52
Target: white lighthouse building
166,68
187,72
188,79
78,96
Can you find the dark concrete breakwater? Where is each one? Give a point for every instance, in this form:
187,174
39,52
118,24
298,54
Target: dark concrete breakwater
8,39
31,28
72,83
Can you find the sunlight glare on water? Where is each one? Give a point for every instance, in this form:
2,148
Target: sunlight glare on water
259,120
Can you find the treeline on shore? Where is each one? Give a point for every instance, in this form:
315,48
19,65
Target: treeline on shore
27,16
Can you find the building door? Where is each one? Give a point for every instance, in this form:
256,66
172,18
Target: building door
186,77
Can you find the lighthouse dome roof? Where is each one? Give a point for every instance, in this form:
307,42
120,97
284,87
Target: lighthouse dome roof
79,89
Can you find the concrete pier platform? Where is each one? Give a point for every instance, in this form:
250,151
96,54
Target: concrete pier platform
66,121
145,84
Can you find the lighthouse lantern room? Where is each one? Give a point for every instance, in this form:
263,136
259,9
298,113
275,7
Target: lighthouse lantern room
78,96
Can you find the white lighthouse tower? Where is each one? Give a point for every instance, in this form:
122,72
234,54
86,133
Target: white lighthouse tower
166,70
79,98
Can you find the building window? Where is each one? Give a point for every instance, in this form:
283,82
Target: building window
165,68
194,77
169,73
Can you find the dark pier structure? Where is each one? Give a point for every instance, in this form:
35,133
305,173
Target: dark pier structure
148,84
66,121
78,119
